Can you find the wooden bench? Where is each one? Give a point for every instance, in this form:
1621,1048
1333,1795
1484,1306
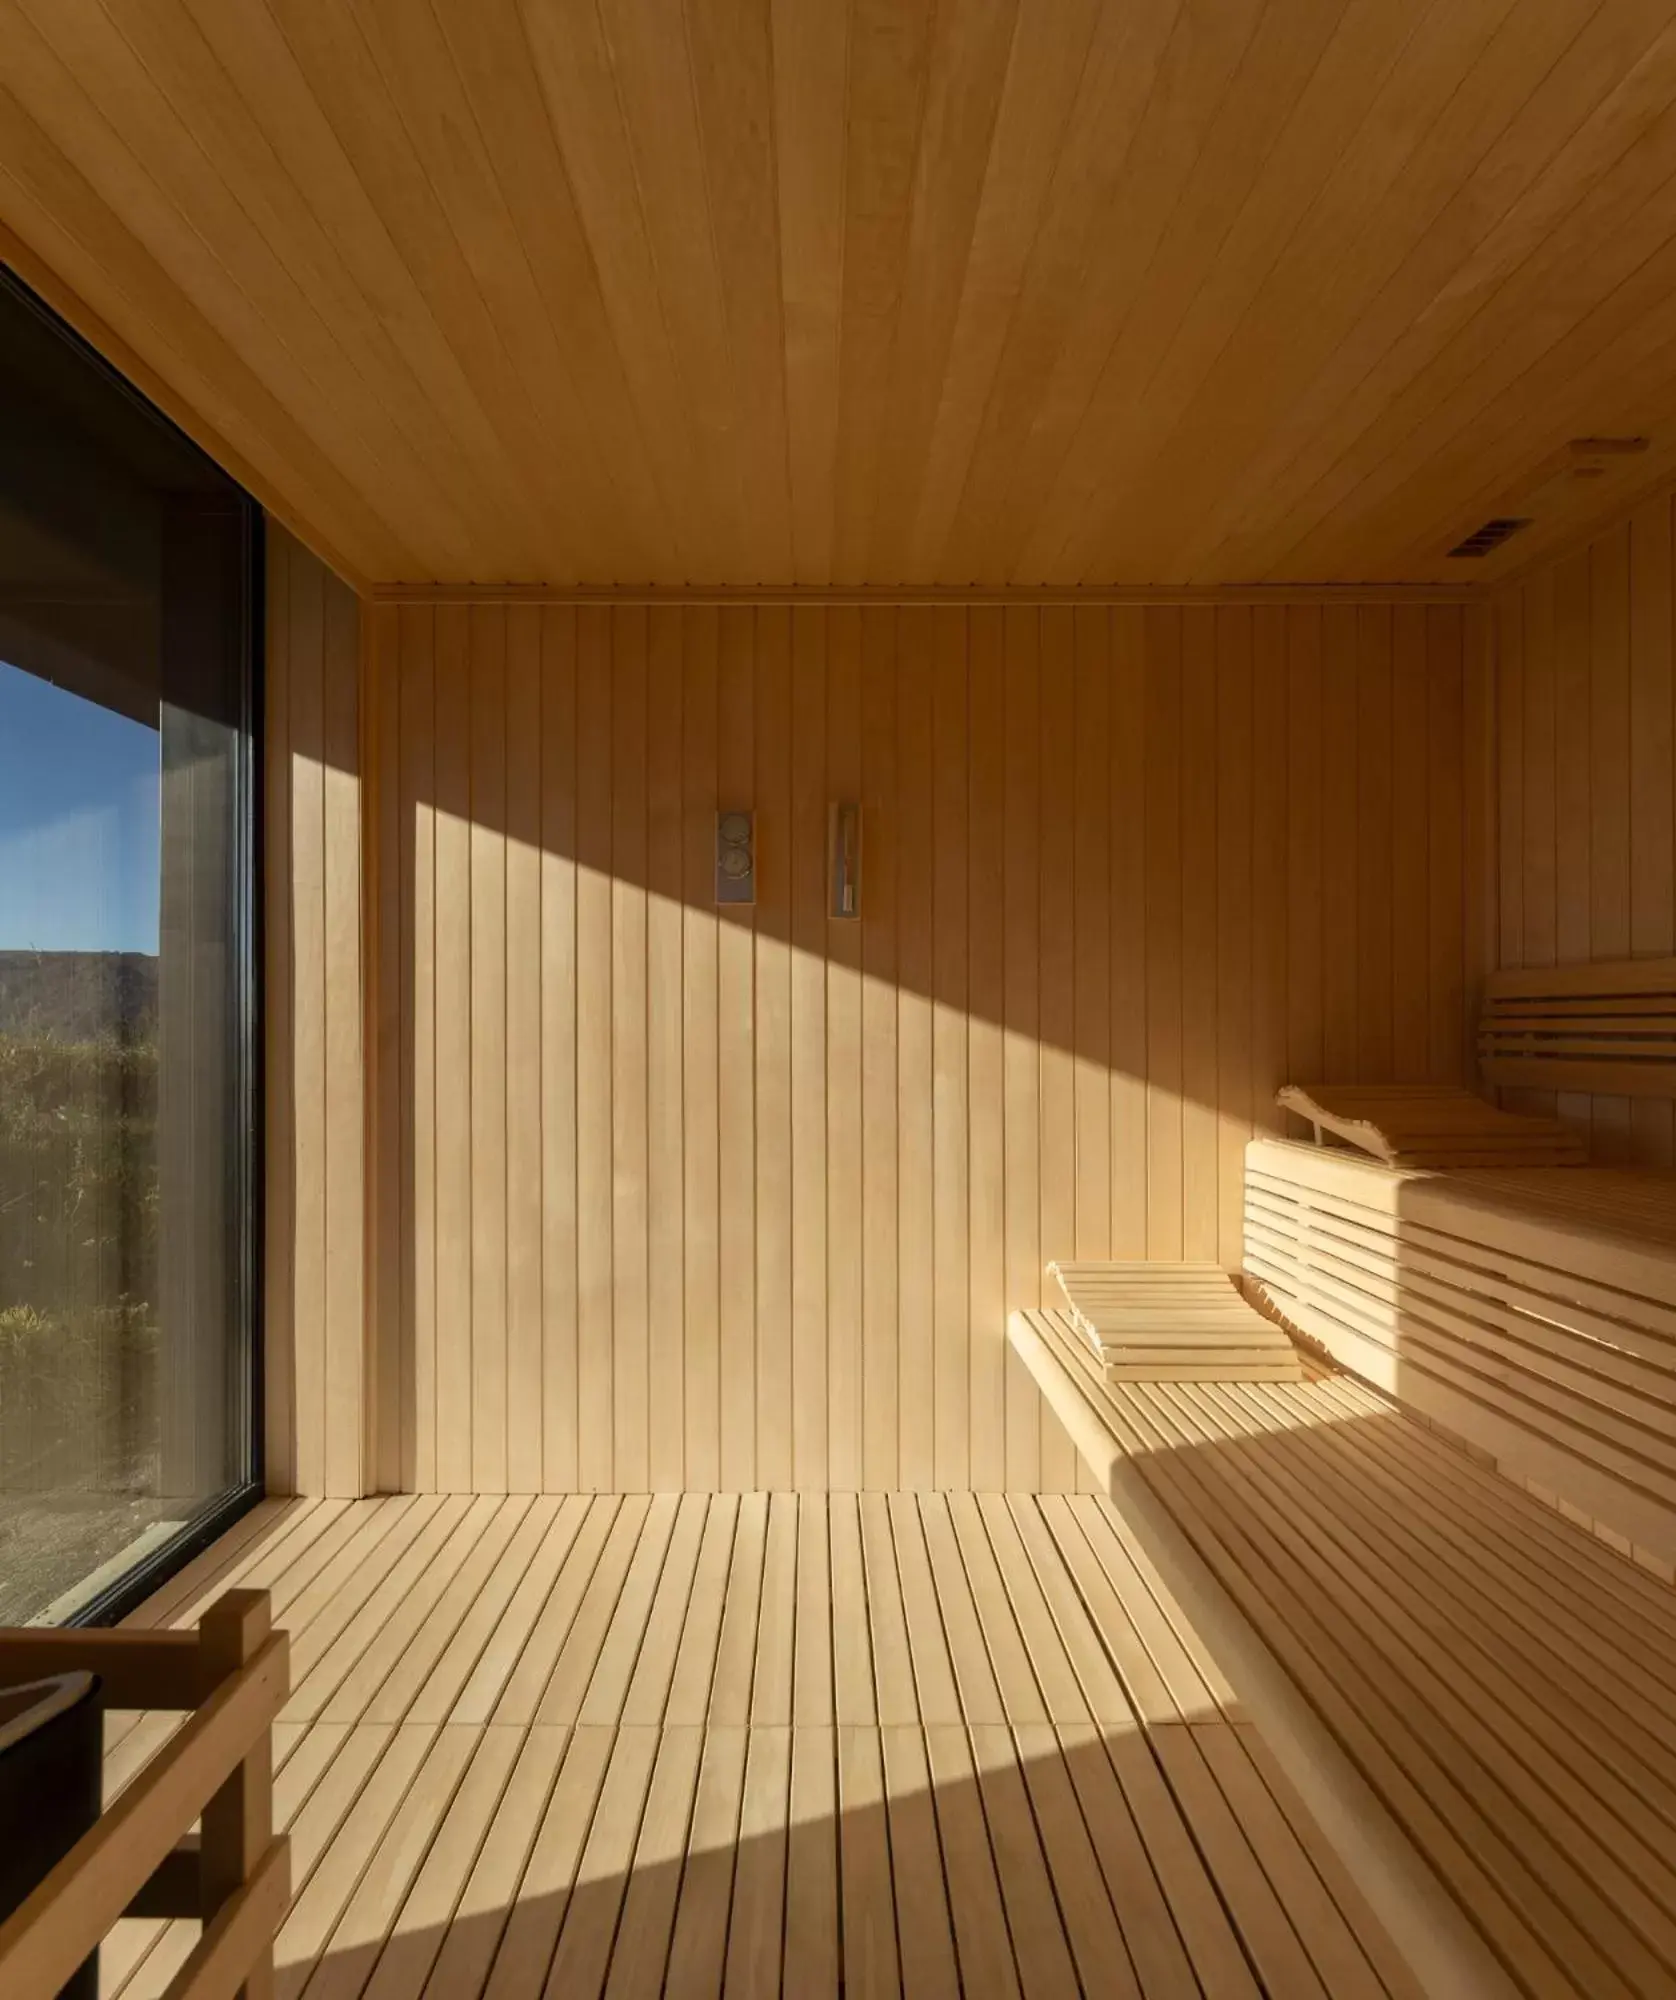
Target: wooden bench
1502,1681
1532,1312
1148,1322
140,1859
1431,1125
1607,1028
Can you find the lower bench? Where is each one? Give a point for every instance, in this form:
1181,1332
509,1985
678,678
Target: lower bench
1503,1681
1532,1312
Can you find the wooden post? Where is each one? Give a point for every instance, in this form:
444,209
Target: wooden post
238,1820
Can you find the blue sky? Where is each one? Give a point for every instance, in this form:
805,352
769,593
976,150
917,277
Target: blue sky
79,822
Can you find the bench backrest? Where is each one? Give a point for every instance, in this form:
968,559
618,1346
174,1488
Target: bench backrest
1608,1028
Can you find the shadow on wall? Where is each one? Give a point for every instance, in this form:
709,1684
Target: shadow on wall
1520,1309
678,1196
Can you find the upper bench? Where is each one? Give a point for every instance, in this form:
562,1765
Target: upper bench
1608,1028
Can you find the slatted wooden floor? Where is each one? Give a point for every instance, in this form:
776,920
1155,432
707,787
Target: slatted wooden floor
1503,1681
906,1744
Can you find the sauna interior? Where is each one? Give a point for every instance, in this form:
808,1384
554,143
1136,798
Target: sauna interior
838,998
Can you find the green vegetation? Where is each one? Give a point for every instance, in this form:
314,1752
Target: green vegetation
79,1206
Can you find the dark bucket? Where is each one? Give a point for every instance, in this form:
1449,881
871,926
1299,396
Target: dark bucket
51,1747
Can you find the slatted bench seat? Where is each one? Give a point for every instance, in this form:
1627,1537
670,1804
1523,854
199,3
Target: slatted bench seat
1502,1681
1431,1125
1158,1322
1532,1312
1608,1028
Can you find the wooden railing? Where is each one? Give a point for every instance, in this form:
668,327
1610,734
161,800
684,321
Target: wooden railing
140,1858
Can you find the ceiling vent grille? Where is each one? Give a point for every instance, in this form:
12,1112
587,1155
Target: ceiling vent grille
1487,539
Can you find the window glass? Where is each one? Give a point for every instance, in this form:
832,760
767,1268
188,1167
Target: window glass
126,999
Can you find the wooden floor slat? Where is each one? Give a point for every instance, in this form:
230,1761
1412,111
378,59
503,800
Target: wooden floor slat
804,1744
1499,1677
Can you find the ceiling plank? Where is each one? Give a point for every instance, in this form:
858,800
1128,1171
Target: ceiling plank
874,294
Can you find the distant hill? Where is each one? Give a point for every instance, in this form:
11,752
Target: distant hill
78,995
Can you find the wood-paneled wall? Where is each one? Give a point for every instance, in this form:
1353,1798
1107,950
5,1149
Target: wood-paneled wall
1587,784
671,1196
315,1405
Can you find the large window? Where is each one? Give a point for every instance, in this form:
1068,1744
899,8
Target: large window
127,1199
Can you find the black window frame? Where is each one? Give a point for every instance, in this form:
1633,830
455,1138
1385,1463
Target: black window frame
154,1569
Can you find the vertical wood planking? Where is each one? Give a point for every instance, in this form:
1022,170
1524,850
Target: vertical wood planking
1540,864
417,931
630,1377
452,978
986,851
1164,1202
1091,911
1446,846
1127,931
1652,786
522,1085
1020,891
1411,849
808,1050
488,1070
318,1423
915,970
696,1198
665,1290
279,1409
387,1067
881,1401
1609,794
845,1384
1305,995
1574,818
1235,842
348,1463
1480,899
1056,965
771,742
701,1232
1609,751
1270,733
1342,1040
735,1120
1200,699
1586,782
951,752
1374,845
1509,863
305,636
560,1402
595,1263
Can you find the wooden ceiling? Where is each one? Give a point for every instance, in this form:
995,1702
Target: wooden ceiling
841,292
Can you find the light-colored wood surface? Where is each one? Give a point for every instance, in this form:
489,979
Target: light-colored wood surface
315,1408
213,1770
1531,1310
687,1199
1432,1125
1607,1028
1586,793
1498,1676
958,1743
1014,290
1155,1322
